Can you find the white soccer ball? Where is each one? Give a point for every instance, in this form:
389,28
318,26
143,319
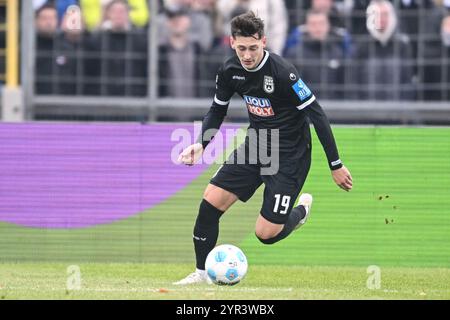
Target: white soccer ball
226,265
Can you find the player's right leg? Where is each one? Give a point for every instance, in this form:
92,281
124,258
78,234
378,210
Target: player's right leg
231,182
215,202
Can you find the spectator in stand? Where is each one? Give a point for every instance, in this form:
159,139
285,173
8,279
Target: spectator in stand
336,23
93,12
272,12
46,24
121,66
437,69
319,55
178,65
409,12
59,52
439,10
328,7
72,43
357,24
338,11
117,17
46,21
202,23
61,6
295,11
206,10
384,65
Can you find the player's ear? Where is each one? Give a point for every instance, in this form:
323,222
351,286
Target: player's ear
233,46
264,41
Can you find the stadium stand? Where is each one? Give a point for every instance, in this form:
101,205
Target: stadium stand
407,64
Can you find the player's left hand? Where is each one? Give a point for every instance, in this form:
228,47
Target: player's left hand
343,178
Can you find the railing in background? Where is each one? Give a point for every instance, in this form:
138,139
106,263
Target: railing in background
12,48
11,94
157,105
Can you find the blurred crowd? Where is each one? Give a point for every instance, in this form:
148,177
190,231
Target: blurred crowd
345,49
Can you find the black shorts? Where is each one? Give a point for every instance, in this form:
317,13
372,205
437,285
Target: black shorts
281,189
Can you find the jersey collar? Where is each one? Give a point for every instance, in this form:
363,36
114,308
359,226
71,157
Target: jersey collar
261,64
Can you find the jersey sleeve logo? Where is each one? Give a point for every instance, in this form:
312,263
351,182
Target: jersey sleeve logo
302,90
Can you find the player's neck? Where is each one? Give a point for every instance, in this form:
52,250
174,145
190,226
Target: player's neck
260,64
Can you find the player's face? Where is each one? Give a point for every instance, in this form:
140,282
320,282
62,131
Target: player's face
250,50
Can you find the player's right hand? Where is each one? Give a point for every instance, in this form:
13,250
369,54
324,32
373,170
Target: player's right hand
191,154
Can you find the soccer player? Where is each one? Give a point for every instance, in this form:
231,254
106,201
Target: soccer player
279,101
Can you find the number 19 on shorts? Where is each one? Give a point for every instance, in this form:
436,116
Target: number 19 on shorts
284,201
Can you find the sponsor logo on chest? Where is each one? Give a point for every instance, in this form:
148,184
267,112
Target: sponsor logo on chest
259,106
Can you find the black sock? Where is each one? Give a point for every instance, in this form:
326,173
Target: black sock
206,232
297,214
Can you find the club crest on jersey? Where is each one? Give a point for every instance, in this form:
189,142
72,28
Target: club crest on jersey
259,106
269,86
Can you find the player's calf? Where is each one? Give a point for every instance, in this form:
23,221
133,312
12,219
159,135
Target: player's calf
206,231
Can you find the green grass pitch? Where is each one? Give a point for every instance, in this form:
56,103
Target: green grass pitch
397,218
152,281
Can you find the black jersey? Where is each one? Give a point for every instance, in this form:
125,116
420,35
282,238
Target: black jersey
276,98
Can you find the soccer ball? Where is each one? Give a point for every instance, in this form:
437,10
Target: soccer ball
226,265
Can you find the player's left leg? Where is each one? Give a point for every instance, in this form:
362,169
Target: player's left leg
278,216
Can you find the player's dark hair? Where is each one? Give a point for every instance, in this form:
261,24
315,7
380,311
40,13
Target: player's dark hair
247,25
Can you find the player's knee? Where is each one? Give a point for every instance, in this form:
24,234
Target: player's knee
266,236
267,231
219,198
208,214
266,241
